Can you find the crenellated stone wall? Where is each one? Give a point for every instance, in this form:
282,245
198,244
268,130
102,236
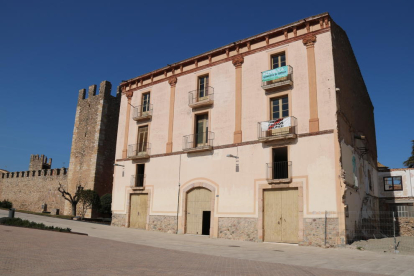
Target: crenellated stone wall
242,229
28,190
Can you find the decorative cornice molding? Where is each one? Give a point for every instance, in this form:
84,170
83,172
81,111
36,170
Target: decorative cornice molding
238,61
172,81
129,94
227,59
309,41
253,142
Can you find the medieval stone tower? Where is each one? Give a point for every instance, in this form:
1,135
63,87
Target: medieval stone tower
39,162
93,144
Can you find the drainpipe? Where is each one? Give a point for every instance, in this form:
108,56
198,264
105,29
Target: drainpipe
179,188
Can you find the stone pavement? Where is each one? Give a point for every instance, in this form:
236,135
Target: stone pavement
342,259
36,252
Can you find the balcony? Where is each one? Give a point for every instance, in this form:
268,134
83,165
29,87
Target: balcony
198,142
280,129
278,77
137,181
139,151
199,98
142,112
279,172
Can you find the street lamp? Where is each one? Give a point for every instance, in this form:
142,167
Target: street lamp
237,160
119,165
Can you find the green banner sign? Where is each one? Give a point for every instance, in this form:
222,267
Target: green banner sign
275,73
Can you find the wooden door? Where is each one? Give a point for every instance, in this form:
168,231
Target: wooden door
201,130
198,201
138,211
290,219
272,216
142,140
281,215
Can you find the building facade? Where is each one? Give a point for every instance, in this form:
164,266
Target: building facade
257,140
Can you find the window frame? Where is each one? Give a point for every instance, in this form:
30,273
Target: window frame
146,104
206,77
143,147
278,55
393,189
280,99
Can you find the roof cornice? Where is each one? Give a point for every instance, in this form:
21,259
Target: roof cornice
323,19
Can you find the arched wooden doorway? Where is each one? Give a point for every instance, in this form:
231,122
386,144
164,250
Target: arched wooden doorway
199,211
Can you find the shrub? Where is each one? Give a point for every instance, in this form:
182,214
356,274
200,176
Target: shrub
88,199
30,224
106,201
6,204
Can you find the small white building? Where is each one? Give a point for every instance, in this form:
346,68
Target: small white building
396,189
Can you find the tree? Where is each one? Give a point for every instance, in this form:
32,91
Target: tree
72,199
106,201
88,199
409,163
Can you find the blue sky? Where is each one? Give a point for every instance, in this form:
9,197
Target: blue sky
51,49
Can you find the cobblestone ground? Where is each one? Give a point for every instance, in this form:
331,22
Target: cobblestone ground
36,252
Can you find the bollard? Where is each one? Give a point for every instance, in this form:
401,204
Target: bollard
11,212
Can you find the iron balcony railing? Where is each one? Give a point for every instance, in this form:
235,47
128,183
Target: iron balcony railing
139,150
142,112
137,180
201,97
198,142
278,172
283,128
278,77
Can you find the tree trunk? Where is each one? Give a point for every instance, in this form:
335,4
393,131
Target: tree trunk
74,208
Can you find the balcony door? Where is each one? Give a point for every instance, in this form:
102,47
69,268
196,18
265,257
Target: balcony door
201,131
279,109
280,165
145,104
202,88
142,140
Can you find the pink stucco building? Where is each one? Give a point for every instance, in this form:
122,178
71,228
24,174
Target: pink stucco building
257,140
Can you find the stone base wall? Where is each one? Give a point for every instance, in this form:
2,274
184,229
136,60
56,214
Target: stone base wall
166,224
406,227
314,232
118,220
242,229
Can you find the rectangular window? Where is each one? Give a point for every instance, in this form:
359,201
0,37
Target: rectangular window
202,88
279,108
145,103
280,164
139,175
142,140
201,130
393,183
278,60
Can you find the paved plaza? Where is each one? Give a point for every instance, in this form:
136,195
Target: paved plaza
120,251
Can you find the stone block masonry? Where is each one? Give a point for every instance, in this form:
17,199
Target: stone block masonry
315,230
94,141
28,190
242,229
166,224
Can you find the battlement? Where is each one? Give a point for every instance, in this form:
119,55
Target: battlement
62,172
104,91
39,162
